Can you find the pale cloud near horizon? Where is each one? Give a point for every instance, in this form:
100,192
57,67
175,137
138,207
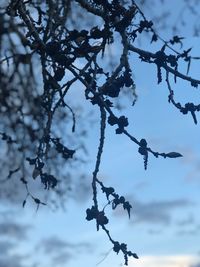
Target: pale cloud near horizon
165,261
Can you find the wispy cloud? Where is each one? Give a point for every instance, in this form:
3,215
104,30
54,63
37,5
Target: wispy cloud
191,159
59,252
157,211
14,230
55,244
151,212
187,221
12,261
61,258
154,232
5,247
7,256
194,230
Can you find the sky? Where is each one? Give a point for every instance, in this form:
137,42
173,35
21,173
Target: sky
164,228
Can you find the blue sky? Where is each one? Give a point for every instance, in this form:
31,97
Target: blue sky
164,228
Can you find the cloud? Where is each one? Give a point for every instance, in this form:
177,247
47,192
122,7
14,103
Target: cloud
5,247
13,261
188,226
12,253
195,230
188,221
14,230
141,185
154,232
196,264
192,160
159,212
61,259
165,261
193,174
7,258
60,252
82,189
54,245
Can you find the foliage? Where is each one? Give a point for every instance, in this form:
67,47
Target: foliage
33,100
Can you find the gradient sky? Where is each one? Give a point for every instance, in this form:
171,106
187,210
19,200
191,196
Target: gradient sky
164,228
